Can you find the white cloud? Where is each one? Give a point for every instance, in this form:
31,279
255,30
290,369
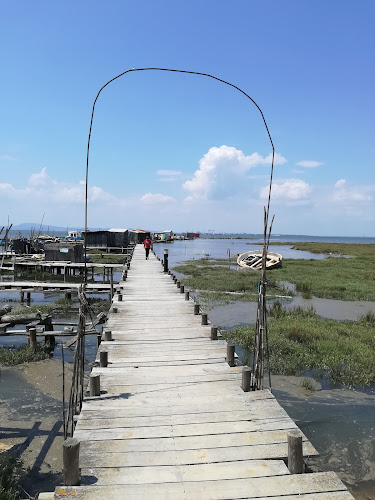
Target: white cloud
287,189
344,193
310,163
222,172
156,198
40,179
168,175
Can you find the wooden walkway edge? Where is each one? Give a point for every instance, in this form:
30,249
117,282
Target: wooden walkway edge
171,419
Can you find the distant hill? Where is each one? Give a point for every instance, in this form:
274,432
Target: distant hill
26,226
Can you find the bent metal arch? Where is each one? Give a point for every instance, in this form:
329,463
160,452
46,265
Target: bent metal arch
261,332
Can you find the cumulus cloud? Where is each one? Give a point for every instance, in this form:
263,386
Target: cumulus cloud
156,198
168,175
40,186
222,172
310,163
345,193
288,189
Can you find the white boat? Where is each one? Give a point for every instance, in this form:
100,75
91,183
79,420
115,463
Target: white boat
253,259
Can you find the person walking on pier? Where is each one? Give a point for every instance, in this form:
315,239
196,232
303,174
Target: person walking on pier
147,244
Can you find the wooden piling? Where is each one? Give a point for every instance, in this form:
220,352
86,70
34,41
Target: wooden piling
107,335
196,309
204,319
165,262
178,283
246,378
71,462
98,340
187,295
295,454
32,338
213,332
230,354
103,359
94,385
182,289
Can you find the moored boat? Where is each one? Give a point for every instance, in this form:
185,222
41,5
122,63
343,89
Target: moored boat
253,259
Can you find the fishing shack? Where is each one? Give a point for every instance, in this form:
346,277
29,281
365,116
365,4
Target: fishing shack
107,239
138,235
64,251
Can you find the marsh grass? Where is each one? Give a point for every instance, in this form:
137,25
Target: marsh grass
300,341
307,384
11,473
13,355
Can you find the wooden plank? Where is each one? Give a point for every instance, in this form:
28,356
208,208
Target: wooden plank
169,474
165,431
244,442
97,457
214,490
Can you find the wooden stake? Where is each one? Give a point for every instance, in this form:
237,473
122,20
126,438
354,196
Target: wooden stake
230,354
95,385
295,454
71,462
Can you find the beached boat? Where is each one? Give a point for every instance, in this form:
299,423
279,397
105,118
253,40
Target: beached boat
253,259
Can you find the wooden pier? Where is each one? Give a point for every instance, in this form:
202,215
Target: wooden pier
171,420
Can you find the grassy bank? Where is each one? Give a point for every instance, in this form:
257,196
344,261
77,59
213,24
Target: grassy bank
12,355
217,282
300,341
11,472
63,306
332,278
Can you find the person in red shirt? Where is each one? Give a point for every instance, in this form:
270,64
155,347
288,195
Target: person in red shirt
147,244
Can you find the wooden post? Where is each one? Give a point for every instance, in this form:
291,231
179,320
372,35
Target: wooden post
114,309
204,319
196,309
230,354
295,454
119,296
165,260
98,340
71,462
22,297
32,337
246,378
111,281
103,359
28,297
95,385
107,335
178,283
182,289
187,295
213,332
68,295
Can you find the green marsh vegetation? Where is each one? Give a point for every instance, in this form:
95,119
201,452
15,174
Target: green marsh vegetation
11,355
11,473
218,283
336,277
301,342
348,272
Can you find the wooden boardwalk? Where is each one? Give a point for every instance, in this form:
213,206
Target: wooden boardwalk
172,420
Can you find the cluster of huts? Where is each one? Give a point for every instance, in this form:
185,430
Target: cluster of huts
71,248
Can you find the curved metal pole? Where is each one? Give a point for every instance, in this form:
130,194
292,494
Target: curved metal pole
172,71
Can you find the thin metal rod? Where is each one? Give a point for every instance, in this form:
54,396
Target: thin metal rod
198,73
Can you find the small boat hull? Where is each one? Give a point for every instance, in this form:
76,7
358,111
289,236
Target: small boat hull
253,260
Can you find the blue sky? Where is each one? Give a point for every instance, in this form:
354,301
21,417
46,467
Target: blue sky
182,152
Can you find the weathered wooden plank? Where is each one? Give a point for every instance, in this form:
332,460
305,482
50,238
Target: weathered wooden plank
168,474
243,442
183,430
260,487
100,420
97,457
